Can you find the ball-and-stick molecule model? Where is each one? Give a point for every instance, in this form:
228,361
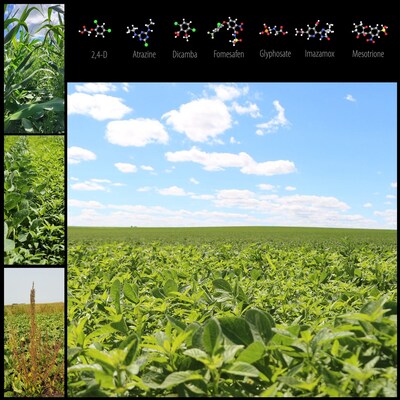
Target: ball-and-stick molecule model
273,31
230,24
143,35
98,30
369,32
184,29
317,31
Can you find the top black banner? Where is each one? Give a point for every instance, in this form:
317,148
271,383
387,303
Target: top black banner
147,47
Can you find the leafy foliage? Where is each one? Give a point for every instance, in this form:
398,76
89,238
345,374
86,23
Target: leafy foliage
231,318
34,72
34,200
34,354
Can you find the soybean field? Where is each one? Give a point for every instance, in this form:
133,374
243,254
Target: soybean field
234,312
34,200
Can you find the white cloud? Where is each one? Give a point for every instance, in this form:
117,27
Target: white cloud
349,97
126,168
290,188
194,181
88,186
250,108
200,120
92,87
95,184
146,168
101,180
367,205
389,216
202,197
173,191
266,186
394,185
269,168
98,106
74,179
275,123
219,161
144,189
232,140
136,132
139,215
78,154
391,196
84,204
277,204
388,203
228,92
293,210
125,87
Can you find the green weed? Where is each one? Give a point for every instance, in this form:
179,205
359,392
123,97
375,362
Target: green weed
34,200
33,361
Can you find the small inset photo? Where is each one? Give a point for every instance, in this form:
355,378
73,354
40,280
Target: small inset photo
34,210
34,68
34,332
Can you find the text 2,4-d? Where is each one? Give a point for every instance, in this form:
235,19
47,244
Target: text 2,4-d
98,55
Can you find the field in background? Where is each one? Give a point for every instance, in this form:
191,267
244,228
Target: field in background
19,344
42,308
248,234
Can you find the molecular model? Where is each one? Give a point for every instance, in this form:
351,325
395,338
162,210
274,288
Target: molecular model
99,30
184,30
267,30
143,36
369,32
230,24
316,31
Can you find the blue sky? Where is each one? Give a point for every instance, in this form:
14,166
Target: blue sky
49,285
220,154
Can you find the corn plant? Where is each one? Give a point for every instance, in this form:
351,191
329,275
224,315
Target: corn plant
33,72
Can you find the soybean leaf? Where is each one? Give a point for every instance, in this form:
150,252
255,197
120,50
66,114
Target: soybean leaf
170,286
242,369
115,293
131,292
262,322
237,330
9,245
252,353
212,335
223,285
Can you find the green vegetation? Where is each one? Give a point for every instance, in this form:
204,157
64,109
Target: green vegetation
42,308
200,312
34,200
33,72
33,350
222,234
